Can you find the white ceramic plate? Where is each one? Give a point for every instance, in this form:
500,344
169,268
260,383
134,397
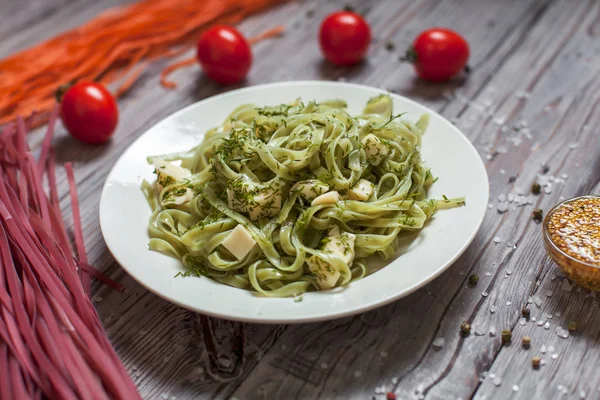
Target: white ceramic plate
124,212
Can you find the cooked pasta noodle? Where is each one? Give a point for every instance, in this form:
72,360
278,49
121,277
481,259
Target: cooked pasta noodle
290,198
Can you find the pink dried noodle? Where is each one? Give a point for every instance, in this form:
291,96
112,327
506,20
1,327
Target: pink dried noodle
52,343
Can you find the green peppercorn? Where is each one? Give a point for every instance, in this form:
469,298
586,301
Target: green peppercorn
572,326
535,362
538,215
473,279
506,336
465,328
526,313
526,341
536,188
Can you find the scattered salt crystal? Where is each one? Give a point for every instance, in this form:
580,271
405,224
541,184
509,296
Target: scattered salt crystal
499,121
357,374
511,197
438,343
547,109
552,277
566,286
492,331
549,316
502,207
492,375
508,303
502,172
554,356
508,271
165,396
504,129
564,176
490,206
342,79
523,95
515,388
541,322
557,314
497,240
324,365
488,273
394,380
479,331
562,333
522,321
384,354
501,197
550,349
494,263
543,349
97,299
548,293
497,381
582,394
573,146
484,294
532,319
537,301
492,309
547,325
543,362
548,189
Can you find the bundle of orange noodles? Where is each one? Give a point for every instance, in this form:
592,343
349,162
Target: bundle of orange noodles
52,344
108,48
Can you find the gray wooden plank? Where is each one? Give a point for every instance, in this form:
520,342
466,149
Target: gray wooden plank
175,353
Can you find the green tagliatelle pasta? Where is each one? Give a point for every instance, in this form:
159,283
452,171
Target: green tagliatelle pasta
290,198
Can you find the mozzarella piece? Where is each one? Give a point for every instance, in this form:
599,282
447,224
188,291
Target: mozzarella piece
375,149
310,189
327,198
340,245
239,242
168,173
361,191
257,199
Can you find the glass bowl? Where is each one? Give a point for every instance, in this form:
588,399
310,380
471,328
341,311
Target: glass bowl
583,273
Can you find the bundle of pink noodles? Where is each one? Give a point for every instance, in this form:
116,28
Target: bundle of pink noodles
52,344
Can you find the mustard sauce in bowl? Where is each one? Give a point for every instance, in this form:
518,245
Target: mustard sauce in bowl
572,239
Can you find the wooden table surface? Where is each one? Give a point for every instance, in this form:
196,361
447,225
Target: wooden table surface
531,99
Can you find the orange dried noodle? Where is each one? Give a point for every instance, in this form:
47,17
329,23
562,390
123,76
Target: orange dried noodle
108,47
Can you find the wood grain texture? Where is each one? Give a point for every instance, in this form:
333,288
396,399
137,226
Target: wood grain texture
535,67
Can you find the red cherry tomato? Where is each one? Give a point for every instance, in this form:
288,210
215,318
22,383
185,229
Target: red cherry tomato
438,54
224,54
89,112
344,37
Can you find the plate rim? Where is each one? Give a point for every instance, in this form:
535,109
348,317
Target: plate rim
318,317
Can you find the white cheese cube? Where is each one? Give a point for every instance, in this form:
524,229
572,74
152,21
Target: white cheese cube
310,189
257,199
327,198
361,191
168,173
239,242
375,149
340,245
